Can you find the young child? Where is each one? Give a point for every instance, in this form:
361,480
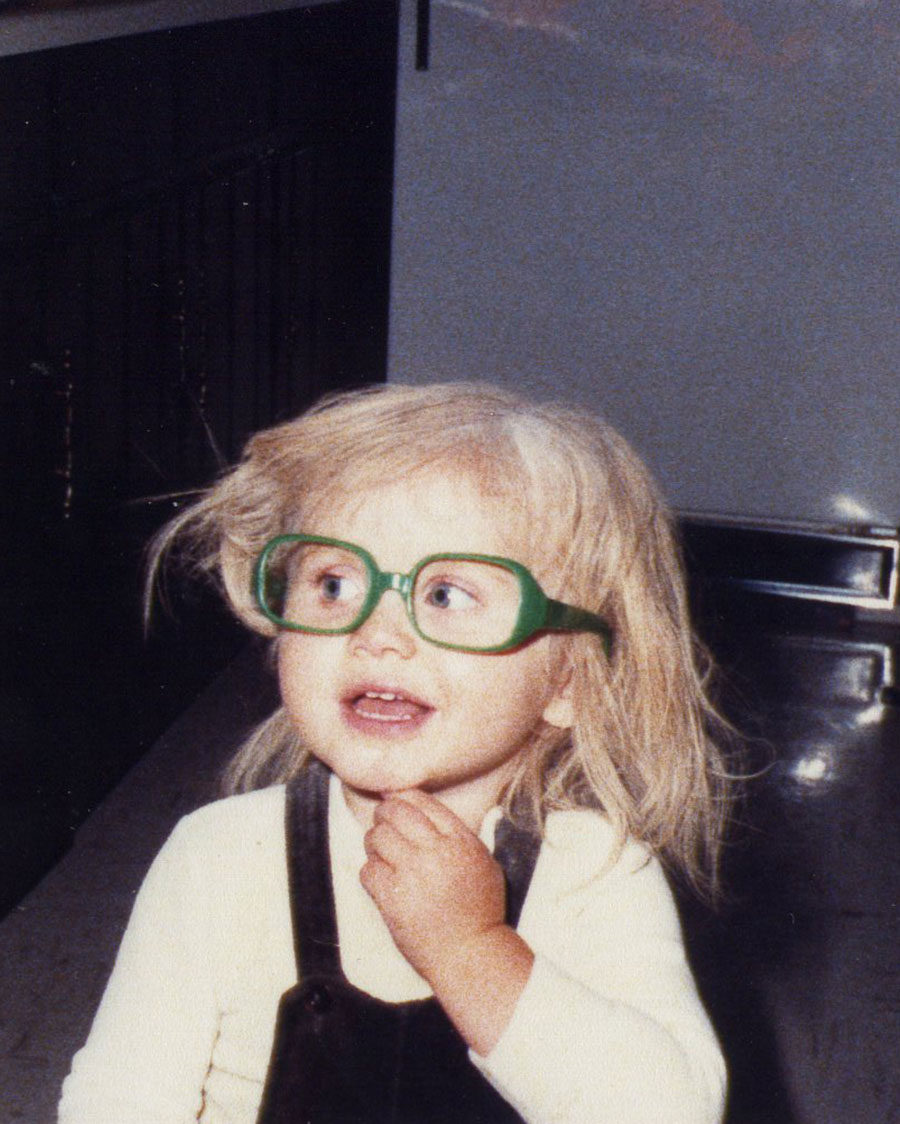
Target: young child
444,900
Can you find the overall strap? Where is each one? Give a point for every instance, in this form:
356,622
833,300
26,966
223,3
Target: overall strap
309,873
516,850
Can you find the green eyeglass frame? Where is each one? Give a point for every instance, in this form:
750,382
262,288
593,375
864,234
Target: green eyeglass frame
537,611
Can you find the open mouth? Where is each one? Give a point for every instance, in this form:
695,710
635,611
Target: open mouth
374,707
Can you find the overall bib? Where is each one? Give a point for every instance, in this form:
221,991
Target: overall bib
341,1056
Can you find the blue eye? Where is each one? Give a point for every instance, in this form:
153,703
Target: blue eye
334,587
445,595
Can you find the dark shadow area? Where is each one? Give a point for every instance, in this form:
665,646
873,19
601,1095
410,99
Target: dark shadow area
194,244
799,966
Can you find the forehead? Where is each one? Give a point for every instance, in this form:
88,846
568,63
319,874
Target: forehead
428,512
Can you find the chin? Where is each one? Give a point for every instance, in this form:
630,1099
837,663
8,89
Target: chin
376,779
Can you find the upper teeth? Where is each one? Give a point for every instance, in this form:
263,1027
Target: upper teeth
388,696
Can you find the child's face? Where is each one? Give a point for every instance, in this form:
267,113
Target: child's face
388,711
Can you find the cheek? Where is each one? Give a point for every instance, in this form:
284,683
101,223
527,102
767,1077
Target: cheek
289,680
301,662
511,692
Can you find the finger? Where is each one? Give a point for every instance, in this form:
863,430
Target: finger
408,819
377,879
440,816
383,841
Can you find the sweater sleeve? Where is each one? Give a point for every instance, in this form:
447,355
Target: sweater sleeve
150,1044
609,1028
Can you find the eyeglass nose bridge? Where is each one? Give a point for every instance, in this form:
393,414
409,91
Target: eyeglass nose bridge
401,582
382,581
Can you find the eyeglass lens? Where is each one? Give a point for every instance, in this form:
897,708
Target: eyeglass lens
466,602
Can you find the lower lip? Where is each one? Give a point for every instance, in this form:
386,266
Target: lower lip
385,727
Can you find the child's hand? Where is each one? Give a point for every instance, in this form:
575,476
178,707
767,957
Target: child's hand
442,895
438,887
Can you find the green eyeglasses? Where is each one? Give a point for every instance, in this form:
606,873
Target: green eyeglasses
469,602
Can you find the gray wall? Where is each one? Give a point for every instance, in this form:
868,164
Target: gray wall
684,214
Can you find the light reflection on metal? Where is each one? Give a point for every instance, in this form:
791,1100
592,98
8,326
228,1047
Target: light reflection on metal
870,715
815,768
850,509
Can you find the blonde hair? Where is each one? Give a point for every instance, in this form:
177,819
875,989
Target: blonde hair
643,746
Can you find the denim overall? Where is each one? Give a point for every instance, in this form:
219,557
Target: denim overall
343,1057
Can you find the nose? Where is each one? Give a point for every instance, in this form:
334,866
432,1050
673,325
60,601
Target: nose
387,629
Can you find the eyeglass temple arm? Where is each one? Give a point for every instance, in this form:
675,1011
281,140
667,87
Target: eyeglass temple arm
568,617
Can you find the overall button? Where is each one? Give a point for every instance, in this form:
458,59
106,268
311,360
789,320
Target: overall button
317,999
